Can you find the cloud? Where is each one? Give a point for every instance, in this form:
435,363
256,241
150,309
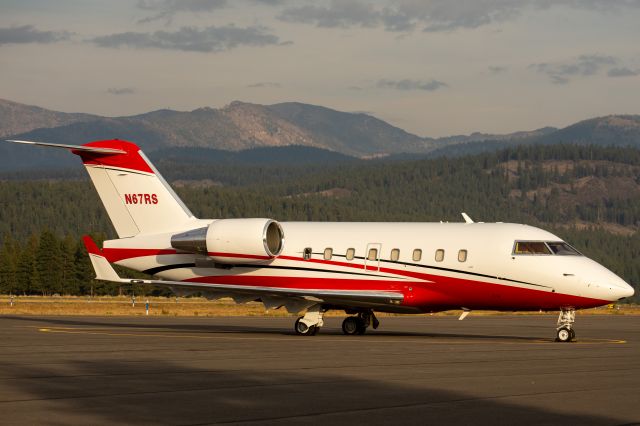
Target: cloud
121,90
166,9
582,66
191,39
622,72
399,15
407,84
496,69
29,34
431,15
345,13
265,84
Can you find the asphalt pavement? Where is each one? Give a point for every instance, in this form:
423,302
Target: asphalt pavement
255,370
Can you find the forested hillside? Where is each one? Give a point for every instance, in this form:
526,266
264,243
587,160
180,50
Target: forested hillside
588,195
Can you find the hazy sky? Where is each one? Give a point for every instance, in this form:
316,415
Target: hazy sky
432,67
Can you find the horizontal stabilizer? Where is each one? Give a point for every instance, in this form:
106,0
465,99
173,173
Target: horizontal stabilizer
79,148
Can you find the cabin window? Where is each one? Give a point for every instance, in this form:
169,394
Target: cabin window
531,247
462,256
417,255
395,255
439,255
306,254
351,253
563,249
373,254
328,253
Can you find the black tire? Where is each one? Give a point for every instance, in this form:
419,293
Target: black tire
573,334
302,329
350,326
362,328
564,335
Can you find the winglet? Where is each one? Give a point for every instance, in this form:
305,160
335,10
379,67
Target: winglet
103,269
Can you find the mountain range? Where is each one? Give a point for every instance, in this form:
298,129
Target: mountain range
244,128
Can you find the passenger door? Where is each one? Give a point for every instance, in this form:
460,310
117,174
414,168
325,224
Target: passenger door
372,257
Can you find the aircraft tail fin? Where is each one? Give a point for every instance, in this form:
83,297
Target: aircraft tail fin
136,197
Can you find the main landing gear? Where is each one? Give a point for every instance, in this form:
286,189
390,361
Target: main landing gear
358,324
565,331
310,323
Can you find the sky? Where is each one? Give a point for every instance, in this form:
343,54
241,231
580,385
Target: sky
432,67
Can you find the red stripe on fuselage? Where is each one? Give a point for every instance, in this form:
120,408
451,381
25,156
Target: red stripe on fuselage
118,254
443,294
436,292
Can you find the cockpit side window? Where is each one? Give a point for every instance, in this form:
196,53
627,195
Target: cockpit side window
562,249
531,247
559,248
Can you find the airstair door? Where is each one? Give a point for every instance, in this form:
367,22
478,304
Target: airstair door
372,257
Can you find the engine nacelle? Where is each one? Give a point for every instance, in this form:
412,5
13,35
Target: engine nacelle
234,240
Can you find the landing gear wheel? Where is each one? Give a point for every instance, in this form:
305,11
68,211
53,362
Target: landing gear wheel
565,334
303,329
573,334
350,325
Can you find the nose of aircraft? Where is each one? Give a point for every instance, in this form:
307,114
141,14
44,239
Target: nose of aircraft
609,285
621,289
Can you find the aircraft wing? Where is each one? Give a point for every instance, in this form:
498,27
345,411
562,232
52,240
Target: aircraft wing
294,300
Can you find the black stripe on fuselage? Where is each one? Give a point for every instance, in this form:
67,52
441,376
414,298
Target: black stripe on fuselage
439,268
158,269
163,268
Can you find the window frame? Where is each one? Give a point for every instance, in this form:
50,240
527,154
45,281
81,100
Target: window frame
328,250
306,253
376,254
417,252
397,255
439,251
464,253
349,251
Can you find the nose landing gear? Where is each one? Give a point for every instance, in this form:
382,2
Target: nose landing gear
359,324
564,330
310,323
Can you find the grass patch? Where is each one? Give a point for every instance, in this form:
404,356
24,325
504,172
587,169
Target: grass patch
200,307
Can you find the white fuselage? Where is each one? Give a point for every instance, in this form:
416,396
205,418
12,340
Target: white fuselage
490,276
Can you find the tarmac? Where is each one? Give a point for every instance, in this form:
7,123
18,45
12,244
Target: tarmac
255,370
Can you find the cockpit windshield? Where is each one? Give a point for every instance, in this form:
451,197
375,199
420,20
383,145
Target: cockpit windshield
563,249
559,248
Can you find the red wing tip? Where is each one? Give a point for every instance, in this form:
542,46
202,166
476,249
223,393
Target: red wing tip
91,246
118,144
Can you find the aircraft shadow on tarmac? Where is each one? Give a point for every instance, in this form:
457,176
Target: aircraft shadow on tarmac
161,392
115,323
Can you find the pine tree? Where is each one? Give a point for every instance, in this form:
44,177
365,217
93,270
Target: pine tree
26,272
9,254
69,283
48,264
